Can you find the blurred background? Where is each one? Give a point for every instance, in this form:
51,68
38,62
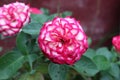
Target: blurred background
100,19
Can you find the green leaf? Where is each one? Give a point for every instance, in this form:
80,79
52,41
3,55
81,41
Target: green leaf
32,29
35,76
115,55
39,18
114,70
57,72
9,64
52,16
106,76
90,53
85,66
21,43
105,52
66,13
101,62
31,58
89,41
118,63
1,48
45,11
43,68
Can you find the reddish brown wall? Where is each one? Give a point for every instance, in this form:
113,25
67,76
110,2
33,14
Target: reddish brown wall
99,18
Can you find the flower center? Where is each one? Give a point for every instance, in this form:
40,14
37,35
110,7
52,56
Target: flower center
64,40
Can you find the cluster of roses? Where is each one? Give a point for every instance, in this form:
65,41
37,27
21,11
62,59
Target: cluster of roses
62,40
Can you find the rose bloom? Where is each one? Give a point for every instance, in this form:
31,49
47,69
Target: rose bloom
35,11
13,17
63,40
116,43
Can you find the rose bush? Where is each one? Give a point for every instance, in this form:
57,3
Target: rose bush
63,42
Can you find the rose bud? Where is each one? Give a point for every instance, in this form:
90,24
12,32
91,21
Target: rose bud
35,11
116,43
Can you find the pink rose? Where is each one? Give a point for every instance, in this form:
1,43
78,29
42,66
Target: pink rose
35,11
13,17
116,43
63,40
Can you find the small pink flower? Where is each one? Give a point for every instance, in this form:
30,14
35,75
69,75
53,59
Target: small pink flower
35,11
13,17
63,40
116,43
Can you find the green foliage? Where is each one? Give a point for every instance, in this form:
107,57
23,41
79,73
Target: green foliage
10,63
39,18
1,49
90,53
101,62
45,11
114,71
89,41
86,66
35,76
105,52
21,43
66,13
57,72
32,29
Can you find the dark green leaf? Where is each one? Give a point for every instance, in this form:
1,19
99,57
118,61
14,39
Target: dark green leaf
38,18
45,11
1,48
101,62
43,68
89,41
57,72
106,76
90,53
31,58
35,76
86,66
114,70
9,64
105,52
21,43
118,63
66,13
51,17
32,29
